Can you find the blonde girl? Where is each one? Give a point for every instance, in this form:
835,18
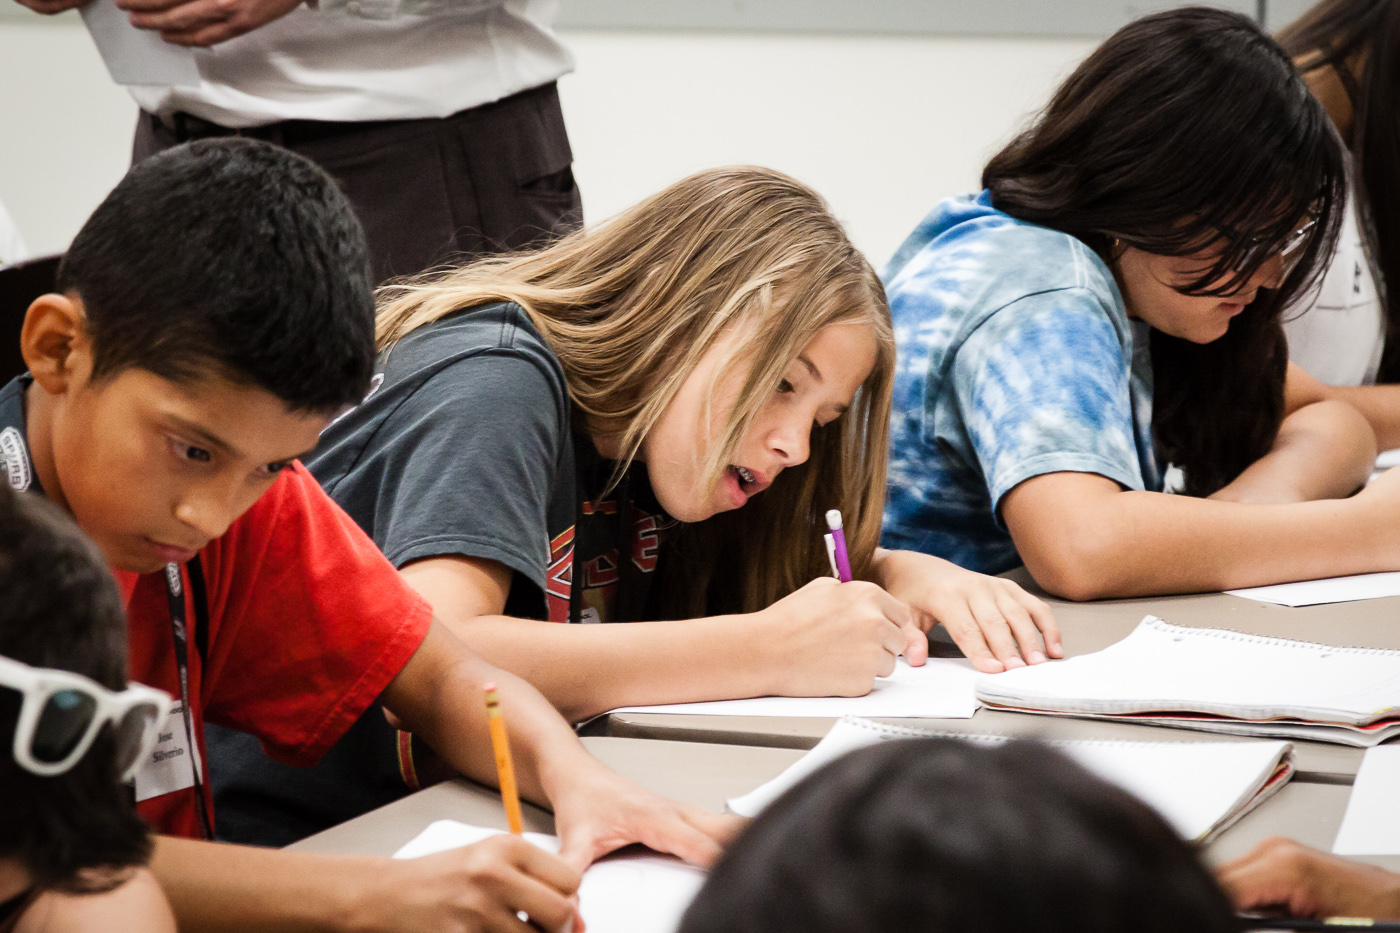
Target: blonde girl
647,420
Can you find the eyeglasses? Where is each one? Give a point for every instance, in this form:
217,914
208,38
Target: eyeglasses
1291,250
62,713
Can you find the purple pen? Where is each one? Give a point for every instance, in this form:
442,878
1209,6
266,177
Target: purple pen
843,562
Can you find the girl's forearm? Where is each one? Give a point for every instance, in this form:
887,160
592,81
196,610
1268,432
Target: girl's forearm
1323,451
1121,544
586,670
1380,405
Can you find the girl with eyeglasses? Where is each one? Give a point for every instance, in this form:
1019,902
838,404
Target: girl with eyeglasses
72,732
1108,307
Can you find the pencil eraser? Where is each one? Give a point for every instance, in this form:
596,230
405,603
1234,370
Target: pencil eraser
489,688
833,519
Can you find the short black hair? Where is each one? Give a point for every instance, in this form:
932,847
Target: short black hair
59,608
945,836
229,257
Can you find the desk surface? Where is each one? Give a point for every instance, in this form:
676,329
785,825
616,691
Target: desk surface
708,774
1086,627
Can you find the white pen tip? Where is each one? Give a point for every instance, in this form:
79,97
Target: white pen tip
833,519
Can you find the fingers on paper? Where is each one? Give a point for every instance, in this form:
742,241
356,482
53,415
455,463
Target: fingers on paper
1028,635
967,635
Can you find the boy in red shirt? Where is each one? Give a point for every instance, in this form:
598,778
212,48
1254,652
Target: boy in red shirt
214,313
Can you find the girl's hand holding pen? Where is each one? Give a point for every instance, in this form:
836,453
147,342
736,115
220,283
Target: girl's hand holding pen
834,639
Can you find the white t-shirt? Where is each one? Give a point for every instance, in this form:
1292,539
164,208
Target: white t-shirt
12,248
353,60
1337,332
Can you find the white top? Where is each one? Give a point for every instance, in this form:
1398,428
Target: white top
1337,332
351,60
12,248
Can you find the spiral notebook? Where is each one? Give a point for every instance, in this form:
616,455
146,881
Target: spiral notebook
1217,681
1200,788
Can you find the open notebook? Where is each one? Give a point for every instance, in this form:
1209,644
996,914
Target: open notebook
1200,788
646,893
1218,681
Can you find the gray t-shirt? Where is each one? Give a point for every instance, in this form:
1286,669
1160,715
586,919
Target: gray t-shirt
462,447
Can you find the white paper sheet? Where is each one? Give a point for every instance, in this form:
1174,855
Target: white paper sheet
1330,590
1372,822
1198,787
620,894
137,56
941,689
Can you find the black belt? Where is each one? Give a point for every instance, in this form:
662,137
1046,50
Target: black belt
186,126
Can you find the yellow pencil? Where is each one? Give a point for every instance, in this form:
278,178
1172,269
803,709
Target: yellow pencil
505,771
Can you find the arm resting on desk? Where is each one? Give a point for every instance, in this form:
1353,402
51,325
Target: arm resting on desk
1281,873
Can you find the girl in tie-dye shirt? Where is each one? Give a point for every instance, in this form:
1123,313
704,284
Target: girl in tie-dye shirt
1109,305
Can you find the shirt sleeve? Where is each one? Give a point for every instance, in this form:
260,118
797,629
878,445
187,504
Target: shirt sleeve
467,465
1043,387
308,622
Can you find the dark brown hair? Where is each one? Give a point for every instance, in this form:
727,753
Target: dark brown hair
1186,129
1335,34
941,835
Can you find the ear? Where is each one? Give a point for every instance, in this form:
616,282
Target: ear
54,342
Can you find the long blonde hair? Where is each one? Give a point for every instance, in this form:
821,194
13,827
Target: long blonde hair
631,305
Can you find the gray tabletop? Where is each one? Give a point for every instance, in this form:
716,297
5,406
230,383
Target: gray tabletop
1086,627
707,774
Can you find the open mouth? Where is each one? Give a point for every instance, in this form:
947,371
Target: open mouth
749,482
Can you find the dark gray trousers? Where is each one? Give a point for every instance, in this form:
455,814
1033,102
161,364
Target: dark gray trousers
493,178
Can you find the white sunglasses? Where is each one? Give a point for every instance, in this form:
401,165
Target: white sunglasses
62,713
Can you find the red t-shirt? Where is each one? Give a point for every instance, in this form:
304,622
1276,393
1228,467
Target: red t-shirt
308,623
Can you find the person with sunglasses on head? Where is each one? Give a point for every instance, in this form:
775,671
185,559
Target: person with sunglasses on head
72,733
1109,306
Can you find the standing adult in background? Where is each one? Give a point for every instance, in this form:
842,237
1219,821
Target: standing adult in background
12,248
1346,333
440,119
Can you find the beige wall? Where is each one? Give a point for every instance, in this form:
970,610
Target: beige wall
882,126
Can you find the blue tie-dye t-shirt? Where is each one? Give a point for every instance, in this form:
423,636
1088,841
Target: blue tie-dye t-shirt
1016,358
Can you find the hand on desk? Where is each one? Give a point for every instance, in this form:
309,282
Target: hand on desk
1308,883
597,812
50,7
992,620
201,22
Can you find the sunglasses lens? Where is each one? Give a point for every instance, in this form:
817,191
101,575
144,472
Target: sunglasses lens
63,722
130,732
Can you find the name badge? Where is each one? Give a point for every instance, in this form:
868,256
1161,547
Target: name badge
170,765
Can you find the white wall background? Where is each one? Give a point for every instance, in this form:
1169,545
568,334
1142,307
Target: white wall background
883,126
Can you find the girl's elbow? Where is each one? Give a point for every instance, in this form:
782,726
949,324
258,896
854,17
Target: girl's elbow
1078,572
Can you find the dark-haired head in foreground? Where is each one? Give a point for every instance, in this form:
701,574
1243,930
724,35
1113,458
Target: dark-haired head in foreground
943,836
1188,134
215,313
59,608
